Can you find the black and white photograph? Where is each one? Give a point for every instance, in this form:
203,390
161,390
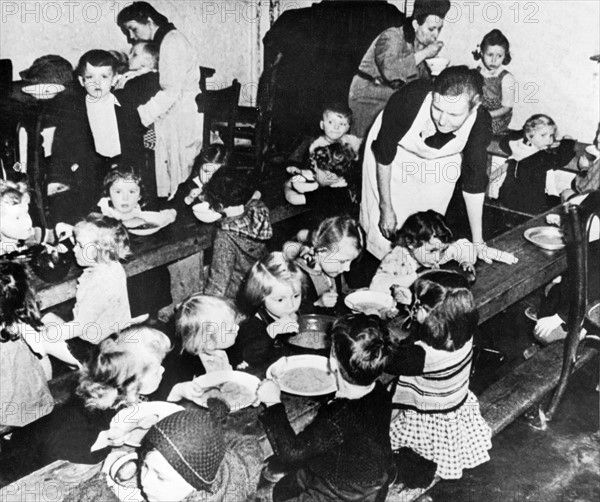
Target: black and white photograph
299,250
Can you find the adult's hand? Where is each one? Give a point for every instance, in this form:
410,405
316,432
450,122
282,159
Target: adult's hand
388,223
433,49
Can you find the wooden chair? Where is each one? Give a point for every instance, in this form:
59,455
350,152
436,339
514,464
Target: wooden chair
251,124
220,108
577,231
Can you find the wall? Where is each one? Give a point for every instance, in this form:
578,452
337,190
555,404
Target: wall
551,42
224,33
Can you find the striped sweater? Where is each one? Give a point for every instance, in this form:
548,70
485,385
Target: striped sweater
431,380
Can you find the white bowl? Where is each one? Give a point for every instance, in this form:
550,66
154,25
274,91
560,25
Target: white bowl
43,91
204,213
437,65
369,302
303,363
592,151
217,378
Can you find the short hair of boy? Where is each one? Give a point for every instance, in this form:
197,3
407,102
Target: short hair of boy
336,158
360,344
338,107
97,57
536,121
228,188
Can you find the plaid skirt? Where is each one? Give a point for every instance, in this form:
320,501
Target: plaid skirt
455,440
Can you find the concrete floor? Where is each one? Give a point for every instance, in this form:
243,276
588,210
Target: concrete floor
561,463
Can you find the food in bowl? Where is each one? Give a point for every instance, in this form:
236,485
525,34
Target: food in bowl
305,379
437,65
235,394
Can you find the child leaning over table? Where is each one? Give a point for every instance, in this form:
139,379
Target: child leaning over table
206,329
534,154
439,430
344,453
242,233
121,372
424,241
328,187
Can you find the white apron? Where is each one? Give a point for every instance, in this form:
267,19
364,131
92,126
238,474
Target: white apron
422,177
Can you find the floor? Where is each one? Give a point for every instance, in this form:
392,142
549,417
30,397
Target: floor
559,464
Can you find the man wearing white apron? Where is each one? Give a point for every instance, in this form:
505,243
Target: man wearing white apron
428,136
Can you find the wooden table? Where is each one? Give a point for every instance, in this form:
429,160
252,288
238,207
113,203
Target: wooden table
185,238
497,287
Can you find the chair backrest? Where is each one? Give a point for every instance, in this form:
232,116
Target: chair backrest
579,220
221,106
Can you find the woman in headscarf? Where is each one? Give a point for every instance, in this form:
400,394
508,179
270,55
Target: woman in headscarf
395,57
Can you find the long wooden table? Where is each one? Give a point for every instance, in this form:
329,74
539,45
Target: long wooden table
186,237
497,287
500,285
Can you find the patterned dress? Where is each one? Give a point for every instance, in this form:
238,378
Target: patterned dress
492,100
440,417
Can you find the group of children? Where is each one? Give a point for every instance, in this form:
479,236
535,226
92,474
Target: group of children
125,367
363,439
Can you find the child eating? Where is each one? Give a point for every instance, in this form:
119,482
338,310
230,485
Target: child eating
328,252
344,453
122,196
327,186
242,234
272,295
424,241
439,418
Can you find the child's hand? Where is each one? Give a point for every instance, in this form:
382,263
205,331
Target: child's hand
328,299
432,50
293,170
553,219
268,392
193,195
215,361
283,325
401,294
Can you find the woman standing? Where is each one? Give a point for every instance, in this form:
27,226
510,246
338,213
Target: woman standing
173,109
395,57
427,137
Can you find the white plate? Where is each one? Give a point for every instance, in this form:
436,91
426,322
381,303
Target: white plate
369,302
215,378
204,213
159,219
550,238
43,91
131,424
277,371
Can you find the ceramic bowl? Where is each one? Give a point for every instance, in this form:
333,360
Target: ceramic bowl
204,213
437,65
